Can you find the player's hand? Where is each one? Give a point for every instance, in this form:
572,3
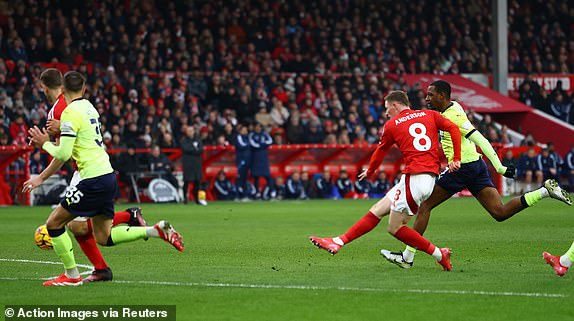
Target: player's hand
38,137
31,184
510,172
362,175
53,126
454,166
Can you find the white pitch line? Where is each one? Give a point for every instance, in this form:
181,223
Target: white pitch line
306,287
44,262
296,287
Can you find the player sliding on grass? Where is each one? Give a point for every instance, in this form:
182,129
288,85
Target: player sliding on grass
416,134
93,197
560,263
51,81
472,175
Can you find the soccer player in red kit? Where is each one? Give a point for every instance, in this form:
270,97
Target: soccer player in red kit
52,81
416,134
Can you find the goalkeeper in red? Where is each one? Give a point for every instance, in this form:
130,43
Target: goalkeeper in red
416,134
93,197
472,175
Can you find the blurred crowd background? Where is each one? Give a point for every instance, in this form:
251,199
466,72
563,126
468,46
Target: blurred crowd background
307,71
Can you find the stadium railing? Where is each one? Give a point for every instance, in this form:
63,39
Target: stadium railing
283,159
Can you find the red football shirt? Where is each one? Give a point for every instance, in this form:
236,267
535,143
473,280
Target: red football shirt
58,107
416,134
56,112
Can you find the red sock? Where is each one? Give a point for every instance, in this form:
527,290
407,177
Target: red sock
411,237
121,217
362,227
90,248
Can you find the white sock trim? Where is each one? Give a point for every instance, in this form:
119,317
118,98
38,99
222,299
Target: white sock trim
544,192
565,261
437,253
408,256
151,231
73,273
338,241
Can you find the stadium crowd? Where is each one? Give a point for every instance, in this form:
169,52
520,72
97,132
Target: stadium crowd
307,71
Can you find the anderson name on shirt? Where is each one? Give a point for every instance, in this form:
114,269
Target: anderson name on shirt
409,117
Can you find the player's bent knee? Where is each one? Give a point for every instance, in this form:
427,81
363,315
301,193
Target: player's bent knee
53,224
498,216
79,228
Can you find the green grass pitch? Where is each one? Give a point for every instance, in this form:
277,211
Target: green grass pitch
253,261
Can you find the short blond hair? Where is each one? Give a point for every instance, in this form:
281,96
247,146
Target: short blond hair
398,96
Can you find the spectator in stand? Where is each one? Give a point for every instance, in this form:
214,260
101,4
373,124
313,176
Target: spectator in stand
292,45
529,92
37,162
295,131
492,136
5,140
228,134
528,140
557,159
19,130
505,135
381,186
314,135
344,137
159,163
558,90
260,142
240,68
561,107
279,113
508,184
547,165
166,141
308,185
508,159
129,163
192,150
294,188
107,140
278,138
324,185
363,188
263,117
243,158
568,168
345,185
224,189
246,109
487,125
528,169
275,191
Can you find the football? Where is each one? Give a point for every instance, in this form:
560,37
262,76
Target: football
42,238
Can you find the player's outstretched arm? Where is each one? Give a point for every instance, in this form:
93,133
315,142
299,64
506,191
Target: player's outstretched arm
34,182
386,141
480,141
377,157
